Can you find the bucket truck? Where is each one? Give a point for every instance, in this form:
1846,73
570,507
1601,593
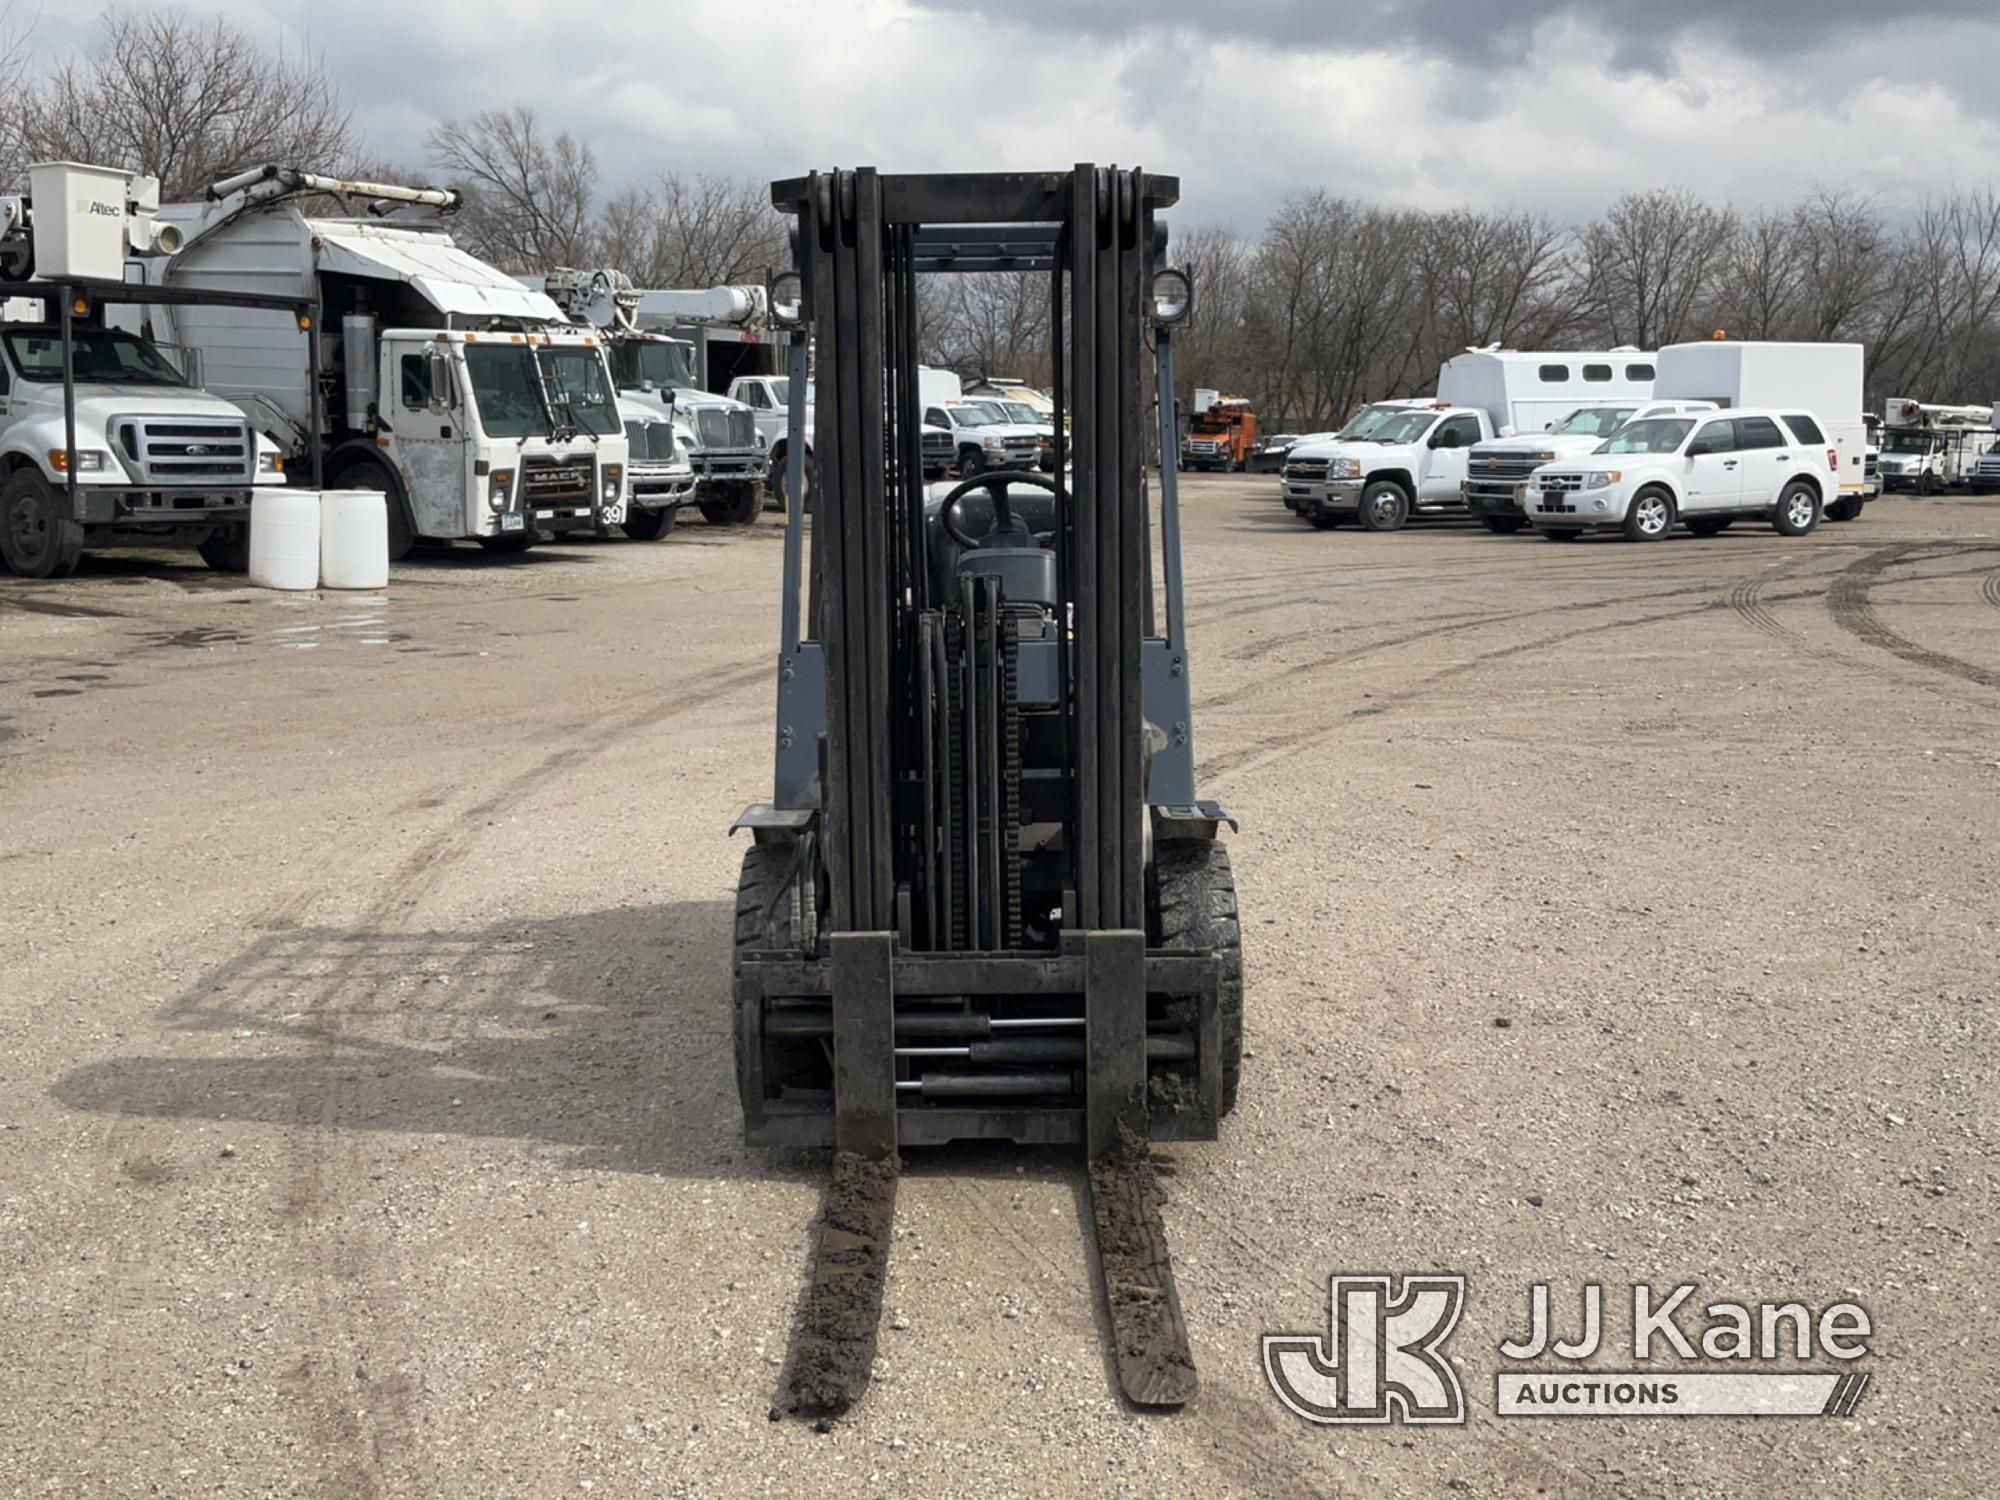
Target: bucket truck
718,435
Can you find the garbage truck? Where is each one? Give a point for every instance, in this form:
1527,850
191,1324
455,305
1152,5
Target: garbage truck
463,396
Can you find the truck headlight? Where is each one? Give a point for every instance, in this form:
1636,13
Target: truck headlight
271,463
88,460
614,483
1599,479
1344,468
501,489
994,445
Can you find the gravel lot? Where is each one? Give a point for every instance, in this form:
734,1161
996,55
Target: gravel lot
1612,913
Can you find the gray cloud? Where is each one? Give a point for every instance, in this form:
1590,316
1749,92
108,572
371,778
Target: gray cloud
1480,30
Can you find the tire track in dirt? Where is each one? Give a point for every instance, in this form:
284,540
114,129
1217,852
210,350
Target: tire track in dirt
1850,599
357,1403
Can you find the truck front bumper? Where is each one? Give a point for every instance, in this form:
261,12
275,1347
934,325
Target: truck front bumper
1496,499
1576,510
713,468
658,488
124,505
1312,499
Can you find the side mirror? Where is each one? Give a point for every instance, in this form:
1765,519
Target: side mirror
438,368
1699,447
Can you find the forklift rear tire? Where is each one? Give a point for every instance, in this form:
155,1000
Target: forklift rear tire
228,554
37,540
775,913
1194,909
737,507
1385,506
649,525
1504,525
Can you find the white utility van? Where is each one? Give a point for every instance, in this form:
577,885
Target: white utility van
1524,391
1823,379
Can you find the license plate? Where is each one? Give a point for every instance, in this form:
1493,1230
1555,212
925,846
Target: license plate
513,523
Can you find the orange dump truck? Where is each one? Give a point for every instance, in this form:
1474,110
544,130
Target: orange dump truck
1221,436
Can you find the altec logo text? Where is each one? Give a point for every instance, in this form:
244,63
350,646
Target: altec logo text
1382,1358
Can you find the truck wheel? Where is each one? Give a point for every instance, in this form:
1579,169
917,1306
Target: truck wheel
775,913
1798,509
508,546
737,507
1926,484
1504,525
1193,909
1710,525
228,554
1649,517
1846,508
37,537
649,525
971,463
1385,506
367,476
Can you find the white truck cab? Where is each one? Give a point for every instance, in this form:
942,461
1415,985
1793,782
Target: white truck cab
1702,469
158,462
1393,461
659,480
1497,472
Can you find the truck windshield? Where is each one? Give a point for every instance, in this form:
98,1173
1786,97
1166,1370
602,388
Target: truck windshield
1406,427
505,389
1908,442
103,355
1020,411
1364,425
1654,435
978,414
659,363
1593,421
579,387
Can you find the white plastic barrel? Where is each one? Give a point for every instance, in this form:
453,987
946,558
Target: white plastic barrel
354,539
284,539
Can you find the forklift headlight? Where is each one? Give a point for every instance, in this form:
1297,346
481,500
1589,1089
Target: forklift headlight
1173,297
787,295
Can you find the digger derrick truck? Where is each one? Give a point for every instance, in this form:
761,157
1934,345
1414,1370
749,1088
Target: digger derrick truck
718,436
1220,436
984,900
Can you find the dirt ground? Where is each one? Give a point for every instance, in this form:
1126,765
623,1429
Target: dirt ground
1612,913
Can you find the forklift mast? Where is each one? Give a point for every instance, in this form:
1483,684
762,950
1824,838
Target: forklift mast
984,900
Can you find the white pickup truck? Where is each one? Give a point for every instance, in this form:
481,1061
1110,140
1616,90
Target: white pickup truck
1396,459
769,398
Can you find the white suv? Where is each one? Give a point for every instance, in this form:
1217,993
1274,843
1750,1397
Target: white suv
1703,471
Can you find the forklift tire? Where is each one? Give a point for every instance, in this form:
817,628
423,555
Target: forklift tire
36,539
368,476
508,546
649,525
1193,900
1385,506
738,507
1503,525
775,912
228,554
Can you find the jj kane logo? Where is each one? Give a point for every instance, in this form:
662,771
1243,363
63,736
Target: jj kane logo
1381,1359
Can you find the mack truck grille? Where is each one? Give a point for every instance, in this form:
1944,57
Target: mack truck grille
725,429
651,440
549,482
180,450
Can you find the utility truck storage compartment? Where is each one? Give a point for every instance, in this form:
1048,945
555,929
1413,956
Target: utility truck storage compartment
79,221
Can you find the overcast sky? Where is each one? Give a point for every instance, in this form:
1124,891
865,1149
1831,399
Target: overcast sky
1409,102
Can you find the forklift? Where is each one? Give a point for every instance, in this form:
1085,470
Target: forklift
984,901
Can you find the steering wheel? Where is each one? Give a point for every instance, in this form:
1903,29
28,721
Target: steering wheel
995,482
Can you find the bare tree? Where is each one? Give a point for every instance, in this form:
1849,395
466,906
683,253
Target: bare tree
187,99
530,195
1650,265
693,232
